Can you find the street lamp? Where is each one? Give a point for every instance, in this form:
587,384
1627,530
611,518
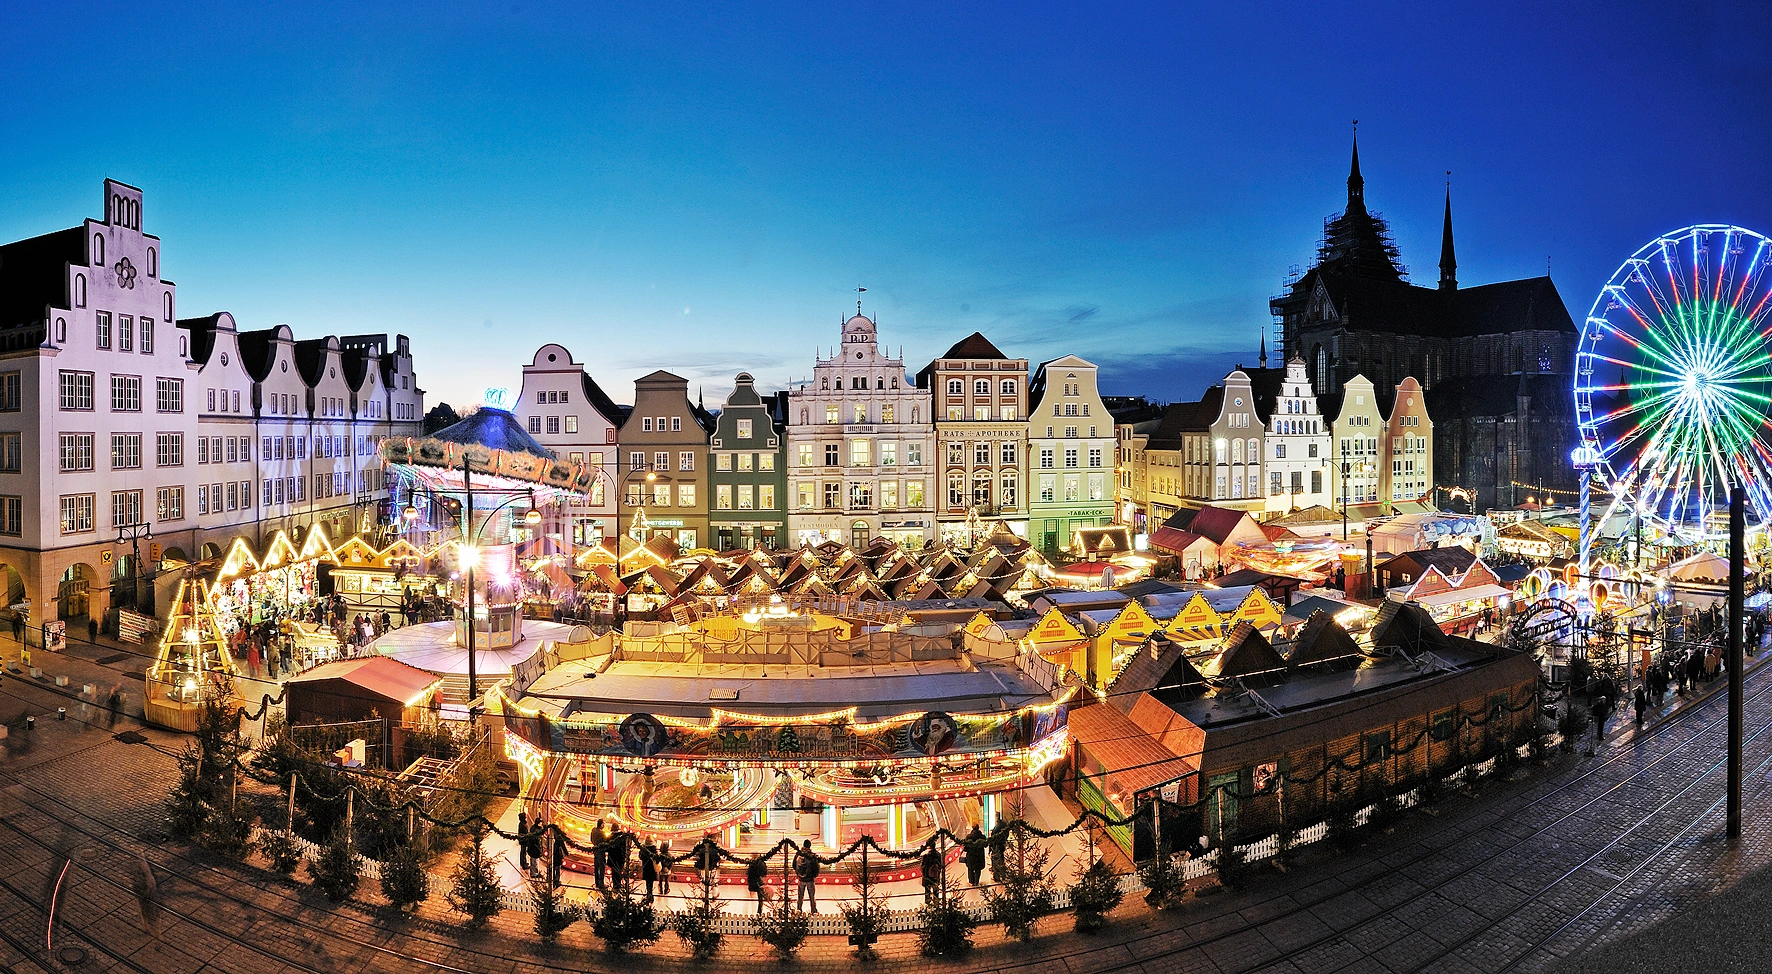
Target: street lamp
469,553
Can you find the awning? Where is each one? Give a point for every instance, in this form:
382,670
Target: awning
1473,594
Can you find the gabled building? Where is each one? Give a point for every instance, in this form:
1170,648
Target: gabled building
1208,452
567,412
860,442
980,400
663,470
1297,445
1072,444
117,417
748,473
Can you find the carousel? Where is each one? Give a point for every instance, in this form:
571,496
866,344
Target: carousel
774,722
482,482
193,665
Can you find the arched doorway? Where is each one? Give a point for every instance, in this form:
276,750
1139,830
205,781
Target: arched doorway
209,552
73,594
14,612
858,535
173,557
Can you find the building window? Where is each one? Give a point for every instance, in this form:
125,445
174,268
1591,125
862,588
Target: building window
1006,492
1097,487
888,453
861,453
861,412
913,494
12,519
11,386
765,461
746,498
126,393
830,414
1070,458
77,513
169,449
833,495
102,328
11,452
956,387
125,333
888,494
169,395
76,452
1048,488
744,429
1095,456
861,496
645,424
746,461
686,460
685,495
956,454
572,424
805,497
722,461
170,503
126,451
1070,432
832,454
126,508
981,387
661,461
888,413
535,424
956,490
147,336
76,390
723,497
1071,489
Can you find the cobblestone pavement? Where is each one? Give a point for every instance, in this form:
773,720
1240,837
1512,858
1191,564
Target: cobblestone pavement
1583,852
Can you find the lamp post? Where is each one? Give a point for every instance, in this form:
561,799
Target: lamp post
470,552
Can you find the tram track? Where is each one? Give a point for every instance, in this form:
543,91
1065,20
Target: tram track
1680,721
1306,907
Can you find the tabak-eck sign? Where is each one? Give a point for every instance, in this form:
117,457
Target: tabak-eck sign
934,733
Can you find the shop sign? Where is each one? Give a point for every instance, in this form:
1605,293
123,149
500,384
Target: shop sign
666,522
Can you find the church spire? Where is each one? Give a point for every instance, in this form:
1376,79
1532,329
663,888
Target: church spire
1264,349
1448,259
1356,186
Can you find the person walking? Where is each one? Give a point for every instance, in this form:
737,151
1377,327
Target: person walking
523,841
975,854
806,871
114,704
1602,711
649,868
754,874
599,854
1642,702
933,867
664,867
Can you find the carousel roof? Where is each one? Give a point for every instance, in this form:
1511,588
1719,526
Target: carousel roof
489,442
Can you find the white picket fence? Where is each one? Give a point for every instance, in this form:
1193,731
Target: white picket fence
902,921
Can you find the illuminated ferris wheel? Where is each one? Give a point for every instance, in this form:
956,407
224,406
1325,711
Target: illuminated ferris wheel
1673,379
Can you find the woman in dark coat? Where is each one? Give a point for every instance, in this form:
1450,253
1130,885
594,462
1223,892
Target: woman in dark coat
933,867
975,850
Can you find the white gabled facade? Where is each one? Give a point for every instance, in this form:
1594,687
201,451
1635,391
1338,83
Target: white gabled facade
117,417
860,442
567,412
1297,446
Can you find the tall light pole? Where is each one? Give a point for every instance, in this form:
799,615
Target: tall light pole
1737,587
470,554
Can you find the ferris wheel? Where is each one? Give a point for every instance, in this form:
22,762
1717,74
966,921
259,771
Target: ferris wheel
1673,380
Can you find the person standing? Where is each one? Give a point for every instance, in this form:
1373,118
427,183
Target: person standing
933,867
975,853
618,855
1642,701
806,871
999,841
559,857
599,853
523,841
754,874
664,867
532,842
707,859
649,868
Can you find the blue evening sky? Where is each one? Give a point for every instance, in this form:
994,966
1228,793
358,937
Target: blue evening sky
699,188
